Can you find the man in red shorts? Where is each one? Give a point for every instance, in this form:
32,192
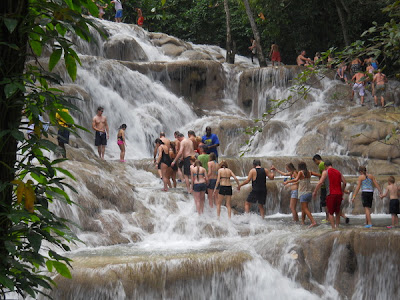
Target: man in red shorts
335,185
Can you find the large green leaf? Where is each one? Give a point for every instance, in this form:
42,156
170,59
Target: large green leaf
62,269
10,24
54,58
70,63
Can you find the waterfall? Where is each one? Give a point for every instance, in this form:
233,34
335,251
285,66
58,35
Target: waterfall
142,243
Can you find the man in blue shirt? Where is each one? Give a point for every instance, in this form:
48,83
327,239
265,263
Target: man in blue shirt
211,141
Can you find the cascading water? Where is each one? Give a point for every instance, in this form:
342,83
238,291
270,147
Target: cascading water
141,243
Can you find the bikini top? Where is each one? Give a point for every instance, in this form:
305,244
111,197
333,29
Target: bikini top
120,138
199,174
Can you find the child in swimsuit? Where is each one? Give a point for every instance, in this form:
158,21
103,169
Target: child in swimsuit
393,191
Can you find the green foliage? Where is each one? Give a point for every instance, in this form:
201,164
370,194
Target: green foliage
30,231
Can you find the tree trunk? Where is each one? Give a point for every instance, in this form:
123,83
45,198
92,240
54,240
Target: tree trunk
12,67
256,34
343,24
230,48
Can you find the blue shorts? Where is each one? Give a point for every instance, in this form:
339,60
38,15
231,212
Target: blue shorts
306,197
211,184
199,187
294,194
118,14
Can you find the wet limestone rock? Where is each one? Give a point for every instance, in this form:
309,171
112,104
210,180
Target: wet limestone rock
124,48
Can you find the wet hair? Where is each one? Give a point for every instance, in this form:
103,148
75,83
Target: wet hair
223,164
191,132
303,167
123,126
212,157
180,135
256,162
159,141
362,169
328,163
317,157
176,132
173,147
162,134
291,167
100,108
391,179
198,164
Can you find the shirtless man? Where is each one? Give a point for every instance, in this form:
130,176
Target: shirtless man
359,81
100,125
355,66
186,151
167,143
177,148
302,60
274,54
192,137
379,81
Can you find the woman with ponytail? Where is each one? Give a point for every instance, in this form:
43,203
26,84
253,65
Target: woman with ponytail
121,142
199,185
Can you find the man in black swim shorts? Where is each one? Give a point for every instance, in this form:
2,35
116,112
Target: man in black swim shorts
258,177
100,125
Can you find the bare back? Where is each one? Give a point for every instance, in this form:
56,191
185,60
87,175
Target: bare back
224,175
212,170
394,191
187,148
166,141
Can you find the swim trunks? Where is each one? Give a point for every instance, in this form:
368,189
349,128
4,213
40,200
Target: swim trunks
199,187
380,90
63,135
394,208
367,198
322,198
359,88
118,14
255,197
225,190
333,203
100,138
211,184
306,197
186,166
294,194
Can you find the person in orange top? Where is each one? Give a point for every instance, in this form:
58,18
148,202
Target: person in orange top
140,19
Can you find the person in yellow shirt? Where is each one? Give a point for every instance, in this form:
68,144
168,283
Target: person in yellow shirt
63,132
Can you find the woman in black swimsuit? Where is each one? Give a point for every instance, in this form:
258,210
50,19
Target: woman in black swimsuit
121,142
225,188
165,162
199,185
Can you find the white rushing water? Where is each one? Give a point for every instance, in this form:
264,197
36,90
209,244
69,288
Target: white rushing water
136,231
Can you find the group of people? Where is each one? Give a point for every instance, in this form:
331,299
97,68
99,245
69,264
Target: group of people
118,11
274,54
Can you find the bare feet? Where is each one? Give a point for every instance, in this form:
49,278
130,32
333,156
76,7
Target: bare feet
312,225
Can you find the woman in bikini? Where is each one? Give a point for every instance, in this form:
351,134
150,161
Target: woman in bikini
212,178
366,182
225,187
303,180
172,170
121,142
199,185
292,172
165,162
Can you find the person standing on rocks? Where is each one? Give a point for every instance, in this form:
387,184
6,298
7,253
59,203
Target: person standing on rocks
212,178
199,185
253,49
186,151
167,143
121,142
335,185
118,10
225,187
379,82
164,161
100,125
359,81
394,192
317,159
292,172
305,192
211,141
192,137
258,177
274,54
366,182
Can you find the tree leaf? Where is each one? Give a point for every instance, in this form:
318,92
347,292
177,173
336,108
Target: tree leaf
62,269
36,47
10,24
49,265
54,58
7,282
10,89
70,63
35,240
